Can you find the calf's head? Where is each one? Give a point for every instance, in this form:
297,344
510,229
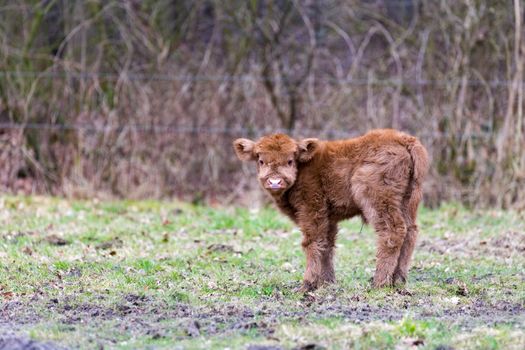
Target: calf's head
277,157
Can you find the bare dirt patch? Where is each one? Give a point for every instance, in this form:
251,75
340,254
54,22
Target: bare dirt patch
478,312
502,246
20,343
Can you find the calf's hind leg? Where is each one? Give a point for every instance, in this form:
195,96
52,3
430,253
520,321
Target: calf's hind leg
391,231
382,209
378,189
405,255
409,214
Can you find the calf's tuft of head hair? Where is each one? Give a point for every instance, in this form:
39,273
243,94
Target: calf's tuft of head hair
277,157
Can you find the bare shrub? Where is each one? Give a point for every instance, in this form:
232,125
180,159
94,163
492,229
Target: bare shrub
142,99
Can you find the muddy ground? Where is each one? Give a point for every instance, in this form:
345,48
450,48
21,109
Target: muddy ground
145,317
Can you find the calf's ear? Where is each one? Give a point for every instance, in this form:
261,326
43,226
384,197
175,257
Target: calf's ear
307,149
244,149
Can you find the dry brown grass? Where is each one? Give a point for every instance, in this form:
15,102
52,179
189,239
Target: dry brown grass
450,72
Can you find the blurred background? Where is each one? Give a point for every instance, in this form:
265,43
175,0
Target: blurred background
142,99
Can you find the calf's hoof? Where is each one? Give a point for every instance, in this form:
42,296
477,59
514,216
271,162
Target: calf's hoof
381,281
307,287
328,279
400,278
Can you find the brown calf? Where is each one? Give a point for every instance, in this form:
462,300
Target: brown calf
319,183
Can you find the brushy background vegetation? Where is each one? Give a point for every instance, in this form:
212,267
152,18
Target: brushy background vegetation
147,274
142,98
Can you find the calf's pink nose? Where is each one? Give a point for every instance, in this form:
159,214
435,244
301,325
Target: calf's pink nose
274,182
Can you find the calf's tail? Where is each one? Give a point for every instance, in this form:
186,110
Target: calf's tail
420,164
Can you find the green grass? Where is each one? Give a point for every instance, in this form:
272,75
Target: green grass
149,274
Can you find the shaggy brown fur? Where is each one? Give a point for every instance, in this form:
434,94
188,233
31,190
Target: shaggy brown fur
319,183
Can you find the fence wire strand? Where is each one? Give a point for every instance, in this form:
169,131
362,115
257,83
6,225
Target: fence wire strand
233,132
128,76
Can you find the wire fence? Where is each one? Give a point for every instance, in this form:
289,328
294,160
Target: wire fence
132,76
234,132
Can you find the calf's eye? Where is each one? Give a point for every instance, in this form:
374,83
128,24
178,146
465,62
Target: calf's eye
290,162
261,162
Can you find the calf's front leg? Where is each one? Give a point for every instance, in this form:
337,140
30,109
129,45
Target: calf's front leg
318,246
327,259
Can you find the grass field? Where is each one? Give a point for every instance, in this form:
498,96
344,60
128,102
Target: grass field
153,274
